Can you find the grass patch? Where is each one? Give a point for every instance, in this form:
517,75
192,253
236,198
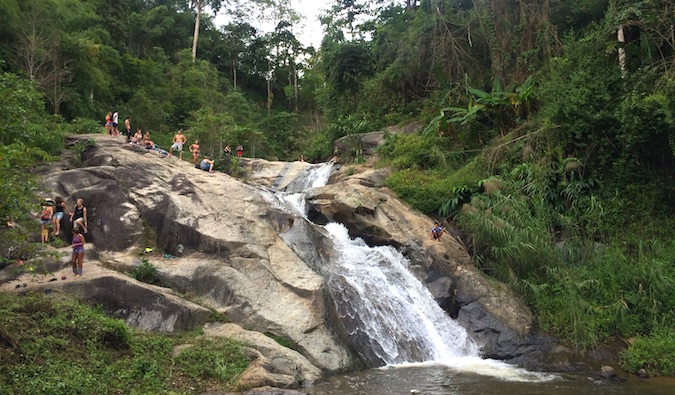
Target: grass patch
281,340
50,345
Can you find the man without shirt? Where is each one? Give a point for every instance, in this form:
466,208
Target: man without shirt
178,140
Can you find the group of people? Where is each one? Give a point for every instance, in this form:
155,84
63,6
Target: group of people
53,212
112,125
178,142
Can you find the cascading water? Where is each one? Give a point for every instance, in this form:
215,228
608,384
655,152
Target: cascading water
390,316
388,312
386,309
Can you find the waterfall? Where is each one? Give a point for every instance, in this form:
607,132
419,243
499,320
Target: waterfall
389,314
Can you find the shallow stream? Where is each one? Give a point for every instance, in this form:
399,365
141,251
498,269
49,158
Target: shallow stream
434,379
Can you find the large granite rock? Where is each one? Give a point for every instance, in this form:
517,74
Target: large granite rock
272,364
143,306
229,236
238,251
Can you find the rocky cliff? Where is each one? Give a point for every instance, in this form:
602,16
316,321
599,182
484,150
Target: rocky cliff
227,246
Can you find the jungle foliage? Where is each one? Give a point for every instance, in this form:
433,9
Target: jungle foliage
548,137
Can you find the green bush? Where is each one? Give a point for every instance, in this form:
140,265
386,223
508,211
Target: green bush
83,126
437,191
655,353
146,272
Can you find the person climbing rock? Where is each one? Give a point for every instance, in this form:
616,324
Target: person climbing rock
78,252
59,208
437,231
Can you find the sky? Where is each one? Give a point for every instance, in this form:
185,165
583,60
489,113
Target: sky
310,32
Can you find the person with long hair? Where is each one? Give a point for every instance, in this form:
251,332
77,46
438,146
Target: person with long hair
194,148
59,208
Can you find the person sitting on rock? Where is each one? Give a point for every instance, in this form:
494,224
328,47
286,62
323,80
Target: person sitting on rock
437,231
149,144
78,216
207,164
138,137
59,208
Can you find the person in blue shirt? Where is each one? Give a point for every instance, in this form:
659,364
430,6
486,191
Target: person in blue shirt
437,231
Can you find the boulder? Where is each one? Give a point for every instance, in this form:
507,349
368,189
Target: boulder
140,305
607,372
277,175
359,144
231,238
272,364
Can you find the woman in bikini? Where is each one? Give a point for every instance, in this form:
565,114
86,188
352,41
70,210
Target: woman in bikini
194,148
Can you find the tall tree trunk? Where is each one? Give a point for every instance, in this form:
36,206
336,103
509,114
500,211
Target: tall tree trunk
622,50
295,85
270,94
196,34
234,74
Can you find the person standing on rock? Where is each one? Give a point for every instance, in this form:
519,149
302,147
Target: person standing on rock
108,123
78,216
437,231
178,141
127,127
45,219
59,207
194,148
78,252
240,150
115,119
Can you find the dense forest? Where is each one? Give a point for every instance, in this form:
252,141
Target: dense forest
546,127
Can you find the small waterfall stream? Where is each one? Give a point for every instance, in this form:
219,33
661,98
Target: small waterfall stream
390,316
